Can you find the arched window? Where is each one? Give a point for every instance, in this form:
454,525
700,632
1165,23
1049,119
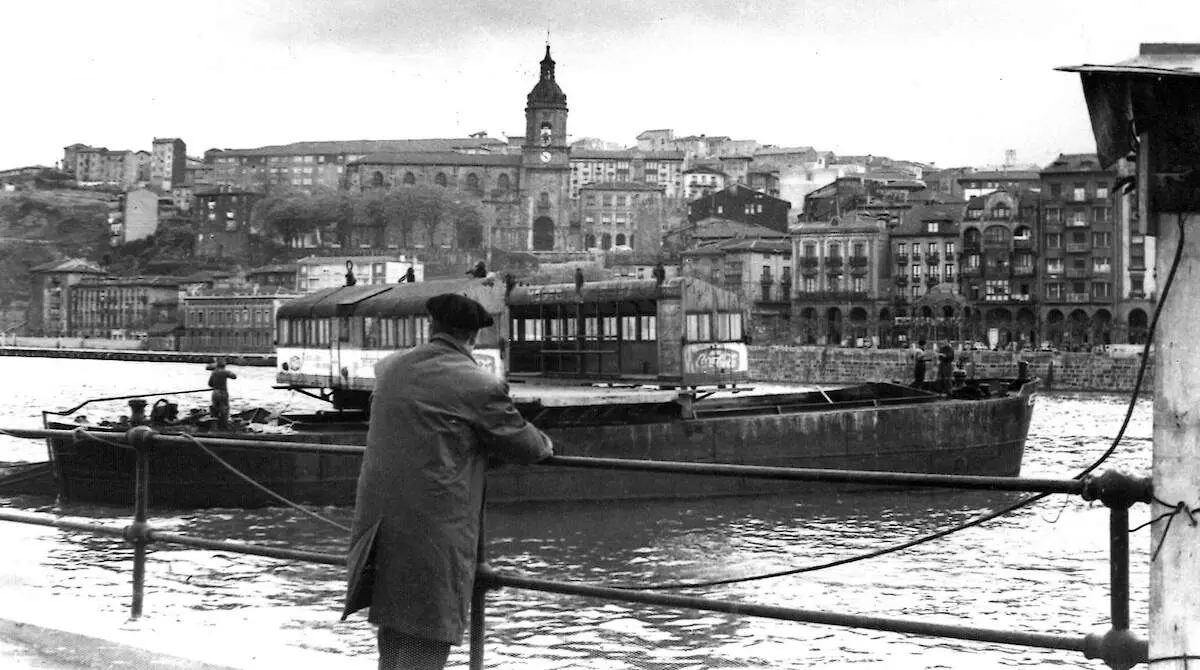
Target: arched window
620,239
472,182
544,199
377,179
504,183
995,235
629,241
590,241
409,179
440,179
606,242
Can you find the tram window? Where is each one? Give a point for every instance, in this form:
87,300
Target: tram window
649,328
572,327
533,330
344,329
556,329
629,331
371,332
735,327
282,329
699,327
514,330
589,328
326,328
610,327
422,330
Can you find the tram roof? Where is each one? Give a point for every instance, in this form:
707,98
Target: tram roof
326,303
409,299
377,299
596,291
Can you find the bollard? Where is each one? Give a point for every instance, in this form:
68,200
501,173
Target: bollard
138,533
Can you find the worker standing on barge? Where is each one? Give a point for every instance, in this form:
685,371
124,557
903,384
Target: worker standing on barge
218,381
436,419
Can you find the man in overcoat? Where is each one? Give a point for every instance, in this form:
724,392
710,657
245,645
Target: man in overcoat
436,420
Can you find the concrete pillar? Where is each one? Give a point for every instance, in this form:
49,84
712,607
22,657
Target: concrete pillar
1175,573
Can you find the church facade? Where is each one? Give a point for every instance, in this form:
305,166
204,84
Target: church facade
527,194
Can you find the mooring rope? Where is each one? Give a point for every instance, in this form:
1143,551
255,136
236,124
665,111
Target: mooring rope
264,489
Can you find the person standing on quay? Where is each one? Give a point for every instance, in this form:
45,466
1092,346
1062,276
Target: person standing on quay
436,419
920,360
218,381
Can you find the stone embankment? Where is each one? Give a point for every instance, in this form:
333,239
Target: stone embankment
1058,371
796,364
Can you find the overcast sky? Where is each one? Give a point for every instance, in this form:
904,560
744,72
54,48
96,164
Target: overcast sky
955,82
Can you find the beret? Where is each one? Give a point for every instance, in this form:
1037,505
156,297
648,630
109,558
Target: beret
458,311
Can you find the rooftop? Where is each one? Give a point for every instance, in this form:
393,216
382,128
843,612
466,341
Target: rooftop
69,265
603,154
621,186
1154,58
367,147
1001,175
1070,163
437,158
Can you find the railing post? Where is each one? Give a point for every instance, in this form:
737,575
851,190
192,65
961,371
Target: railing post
142,440
479,593
1119,648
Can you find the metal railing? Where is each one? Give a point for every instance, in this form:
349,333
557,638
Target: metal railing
1118,647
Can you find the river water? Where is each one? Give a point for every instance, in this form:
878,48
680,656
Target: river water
1042,569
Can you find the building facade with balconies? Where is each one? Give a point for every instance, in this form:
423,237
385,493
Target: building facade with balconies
925,293
999,270
840,270
622,215
231,320
1079,235
122,307
49,313
760,271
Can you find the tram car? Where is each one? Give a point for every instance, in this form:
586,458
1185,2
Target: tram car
681,332
327,342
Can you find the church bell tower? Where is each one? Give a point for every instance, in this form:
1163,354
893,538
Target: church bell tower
545,163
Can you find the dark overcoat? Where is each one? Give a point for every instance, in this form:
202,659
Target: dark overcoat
436,419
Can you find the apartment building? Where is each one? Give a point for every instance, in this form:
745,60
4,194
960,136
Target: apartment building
1079,234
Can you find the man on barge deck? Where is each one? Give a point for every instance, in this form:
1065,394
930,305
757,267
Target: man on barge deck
218,381
436,420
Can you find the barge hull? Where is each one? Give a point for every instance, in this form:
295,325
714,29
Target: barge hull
972,437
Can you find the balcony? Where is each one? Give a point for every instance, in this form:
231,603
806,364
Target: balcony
971,272
1077,223
1078,247
809,261
858,270
902,259
1078,273
859,261
916,257
932,280
933,259
1009,298
901,280
1023,270
833,296
1022,243
1078,298
833,262
809,270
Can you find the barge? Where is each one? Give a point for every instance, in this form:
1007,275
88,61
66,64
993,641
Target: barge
632,369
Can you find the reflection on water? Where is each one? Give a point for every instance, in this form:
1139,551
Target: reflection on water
1040,569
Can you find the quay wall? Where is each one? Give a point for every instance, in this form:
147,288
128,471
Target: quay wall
795,364
1058,371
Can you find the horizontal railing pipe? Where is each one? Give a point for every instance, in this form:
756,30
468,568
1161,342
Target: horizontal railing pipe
968,482
243,548
51,521
976,482
160,439
887,624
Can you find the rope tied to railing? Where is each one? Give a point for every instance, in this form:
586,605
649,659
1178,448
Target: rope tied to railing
260,487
